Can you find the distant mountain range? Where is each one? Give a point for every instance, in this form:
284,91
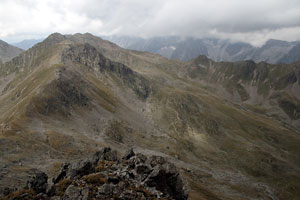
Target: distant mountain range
26,44
273,51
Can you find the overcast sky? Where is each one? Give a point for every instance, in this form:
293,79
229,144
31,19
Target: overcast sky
253,21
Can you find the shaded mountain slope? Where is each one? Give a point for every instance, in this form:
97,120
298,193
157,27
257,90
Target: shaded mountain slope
292,56
7,52
71,94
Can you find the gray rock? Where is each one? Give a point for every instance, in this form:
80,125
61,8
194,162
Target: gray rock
42,196
130,153
111,156
136,160
156,160
73,192
140,158
106,189
50,191
104,154
38,182
62,174
165,179
134,178
80,169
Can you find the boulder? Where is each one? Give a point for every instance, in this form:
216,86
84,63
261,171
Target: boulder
104,154
38,182
165,178
80,169
73,192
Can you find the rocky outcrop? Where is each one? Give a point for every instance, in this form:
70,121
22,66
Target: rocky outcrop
89,56
38,182
105,176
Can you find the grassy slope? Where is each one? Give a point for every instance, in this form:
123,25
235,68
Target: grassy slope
227,151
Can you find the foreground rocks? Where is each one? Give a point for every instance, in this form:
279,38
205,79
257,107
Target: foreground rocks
104,176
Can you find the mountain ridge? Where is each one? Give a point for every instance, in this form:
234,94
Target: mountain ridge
71,94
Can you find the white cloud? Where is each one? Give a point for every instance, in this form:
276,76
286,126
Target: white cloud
258,38
21,20
247,20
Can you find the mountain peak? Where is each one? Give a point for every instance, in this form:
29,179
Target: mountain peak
56,37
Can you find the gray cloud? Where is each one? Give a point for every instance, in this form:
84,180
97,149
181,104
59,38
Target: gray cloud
253,21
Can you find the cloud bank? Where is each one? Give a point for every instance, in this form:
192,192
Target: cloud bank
253,21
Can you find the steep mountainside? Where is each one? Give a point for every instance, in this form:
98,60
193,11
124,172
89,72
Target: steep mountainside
292,56
7,52
274,51
231,128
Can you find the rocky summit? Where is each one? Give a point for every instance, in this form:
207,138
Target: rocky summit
105,176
